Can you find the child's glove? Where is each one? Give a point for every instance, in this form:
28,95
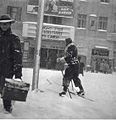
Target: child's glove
62,60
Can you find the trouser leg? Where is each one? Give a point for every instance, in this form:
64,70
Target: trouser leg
2,82
67,78
66,83
7,104
77,83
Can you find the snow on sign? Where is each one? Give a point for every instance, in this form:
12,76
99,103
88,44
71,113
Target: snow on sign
49,31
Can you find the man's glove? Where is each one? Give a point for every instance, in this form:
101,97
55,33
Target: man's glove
17,67
11,80
8,79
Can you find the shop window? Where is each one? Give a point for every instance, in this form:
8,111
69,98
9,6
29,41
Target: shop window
56,20
22,47
51,63
14,12
45,20
81,20
105,1
43,57
31,54
103,21
114,28
100,52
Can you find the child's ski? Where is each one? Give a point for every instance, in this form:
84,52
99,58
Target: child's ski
82,96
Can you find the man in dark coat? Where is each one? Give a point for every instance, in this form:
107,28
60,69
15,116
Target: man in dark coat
72,70
10,56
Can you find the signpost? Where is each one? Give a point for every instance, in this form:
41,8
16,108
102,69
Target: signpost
38,45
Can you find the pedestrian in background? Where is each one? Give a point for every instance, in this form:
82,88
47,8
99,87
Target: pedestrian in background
72,69
10,56
81,66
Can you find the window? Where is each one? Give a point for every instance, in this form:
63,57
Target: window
92,22
33,2
81,21
100,52
103,21
14,12
56,20
52,19
45,20
114,28
105,1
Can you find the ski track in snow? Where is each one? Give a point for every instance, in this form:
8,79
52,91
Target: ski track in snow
46,103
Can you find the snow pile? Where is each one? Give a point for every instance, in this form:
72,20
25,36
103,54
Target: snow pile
46,103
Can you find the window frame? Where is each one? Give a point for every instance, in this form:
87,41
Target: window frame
81,20
102,23
15,14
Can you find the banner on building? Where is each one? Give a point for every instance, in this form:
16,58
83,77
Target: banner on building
49,32
52,7
57,32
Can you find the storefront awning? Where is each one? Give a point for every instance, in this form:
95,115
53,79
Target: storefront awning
93,15
102,47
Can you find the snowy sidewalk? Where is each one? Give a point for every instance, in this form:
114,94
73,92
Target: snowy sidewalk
46,103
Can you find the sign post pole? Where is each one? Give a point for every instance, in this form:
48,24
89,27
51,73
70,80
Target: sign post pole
38,45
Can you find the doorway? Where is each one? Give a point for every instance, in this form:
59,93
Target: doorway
48,58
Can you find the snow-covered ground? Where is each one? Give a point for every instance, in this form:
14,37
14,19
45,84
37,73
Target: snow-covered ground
46,103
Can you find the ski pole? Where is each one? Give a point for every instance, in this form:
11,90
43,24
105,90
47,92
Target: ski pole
69,93
72,85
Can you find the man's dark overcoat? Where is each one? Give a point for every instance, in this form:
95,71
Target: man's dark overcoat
10,56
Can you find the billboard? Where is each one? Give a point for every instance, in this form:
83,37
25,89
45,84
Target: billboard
52,7
32,6
59,7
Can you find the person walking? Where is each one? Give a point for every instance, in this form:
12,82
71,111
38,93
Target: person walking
72,70
81,68
10,56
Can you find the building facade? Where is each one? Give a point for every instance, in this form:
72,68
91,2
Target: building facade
91,22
